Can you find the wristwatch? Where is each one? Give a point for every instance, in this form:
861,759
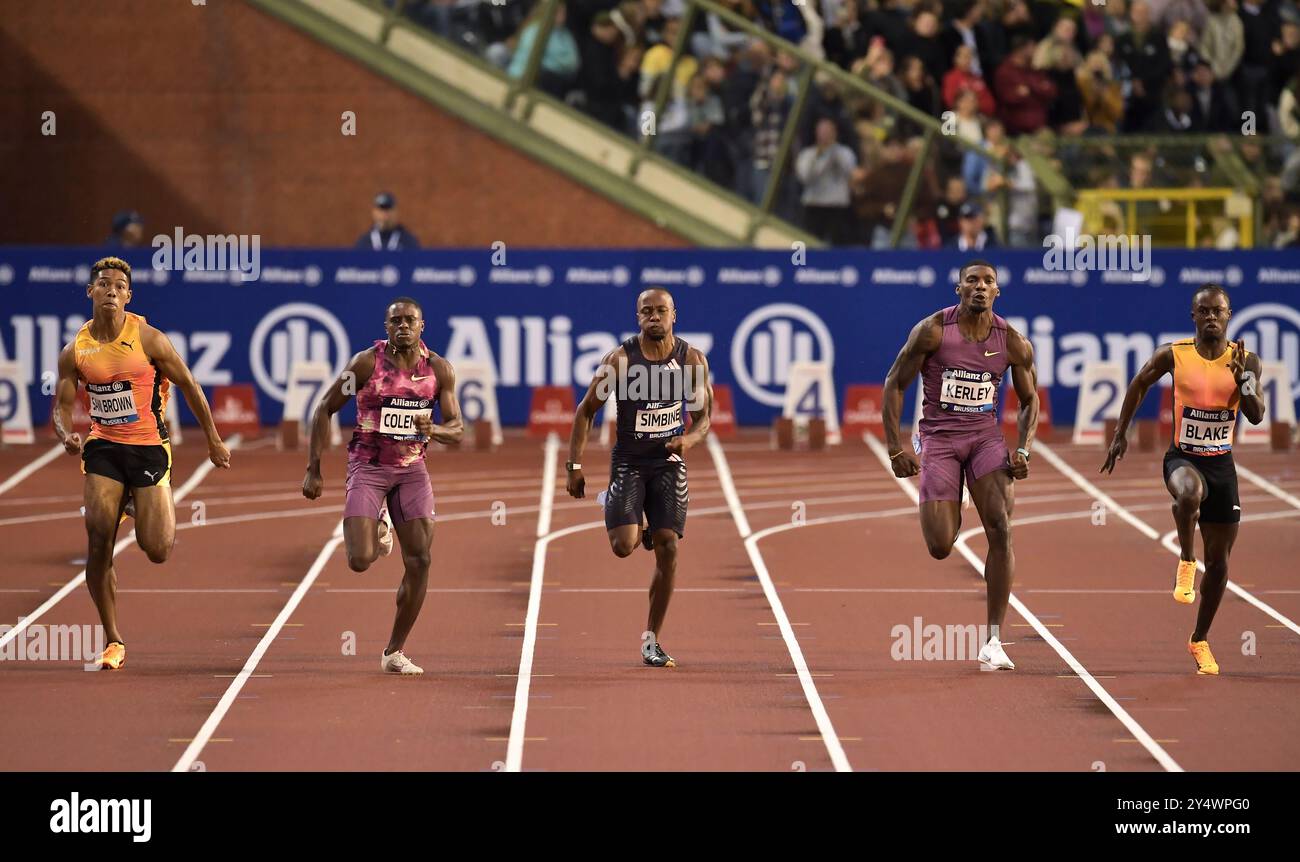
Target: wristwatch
1023,451
572,465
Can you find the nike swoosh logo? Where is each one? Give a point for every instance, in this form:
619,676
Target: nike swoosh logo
425,377
994,353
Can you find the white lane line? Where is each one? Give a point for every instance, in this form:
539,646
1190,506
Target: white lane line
31,468
519,717
1139,733
1152,533
1259,481
824,726
209,727
181,493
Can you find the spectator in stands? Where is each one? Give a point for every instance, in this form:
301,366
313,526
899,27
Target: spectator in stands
1183,53
560,60
1286,53
708,152
1118,24
1022,196
1211,110
972,235
1058,59
386,233
654,22
1222,43
611,61
770,106
967,117
922,94
1101,94
496,29
963,76
996,36
1175,116
962,30
128,230
1165,12
947,213
1260,27
974,166
879,68
1146,53
825,169
672,127
783,18
1024,95
719,39
923,42
846,38
1288,113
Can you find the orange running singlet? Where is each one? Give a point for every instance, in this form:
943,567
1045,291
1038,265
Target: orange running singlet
1205,401
128,396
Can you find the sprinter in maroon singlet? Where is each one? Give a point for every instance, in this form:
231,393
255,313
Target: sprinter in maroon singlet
962,353
396,381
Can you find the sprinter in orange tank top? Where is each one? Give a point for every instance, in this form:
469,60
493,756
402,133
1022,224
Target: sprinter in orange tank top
1213,380
128,368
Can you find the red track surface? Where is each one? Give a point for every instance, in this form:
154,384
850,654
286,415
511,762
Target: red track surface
735,701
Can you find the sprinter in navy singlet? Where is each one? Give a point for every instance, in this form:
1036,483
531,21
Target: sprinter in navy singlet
657,380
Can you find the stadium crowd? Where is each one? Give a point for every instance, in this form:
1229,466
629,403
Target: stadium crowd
1003,68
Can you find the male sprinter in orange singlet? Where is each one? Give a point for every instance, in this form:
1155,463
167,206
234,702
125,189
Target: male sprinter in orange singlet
1212,378
963,354
127,366
397,381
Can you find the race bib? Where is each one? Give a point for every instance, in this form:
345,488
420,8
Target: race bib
1206,432
397,416
660,421
112,403
963,391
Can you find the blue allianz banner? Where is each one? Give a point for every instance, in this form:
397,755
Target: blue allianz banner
546,317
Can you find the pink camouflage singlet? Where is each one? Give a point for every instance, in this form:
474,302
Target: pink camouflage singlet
387,407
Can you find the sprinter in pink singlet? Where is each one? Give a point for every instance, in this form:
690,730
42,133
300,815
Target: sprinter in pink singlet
397,381
962,354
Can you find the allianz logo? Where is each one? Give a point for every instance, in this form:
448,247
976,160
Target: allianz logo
691,276
309,276
542,275
1111,276
924,276
1272,275
157,277
58,275
465,276
387,276
846,275
1076,277
768,276
617,276
1230,276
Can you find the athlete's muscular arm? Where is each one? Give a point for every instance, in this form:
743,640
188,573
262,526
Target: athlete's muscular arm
1246,371
349,384
601,388
1024,376
65,393
1160,364
924,340
701,394
452,428
165,358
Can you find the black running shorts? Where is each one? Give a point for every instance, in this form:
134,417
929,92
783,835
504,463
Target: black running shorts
655,487
135,466
1222,502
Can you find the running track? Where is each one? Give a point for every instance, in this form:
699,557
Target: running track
784,632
